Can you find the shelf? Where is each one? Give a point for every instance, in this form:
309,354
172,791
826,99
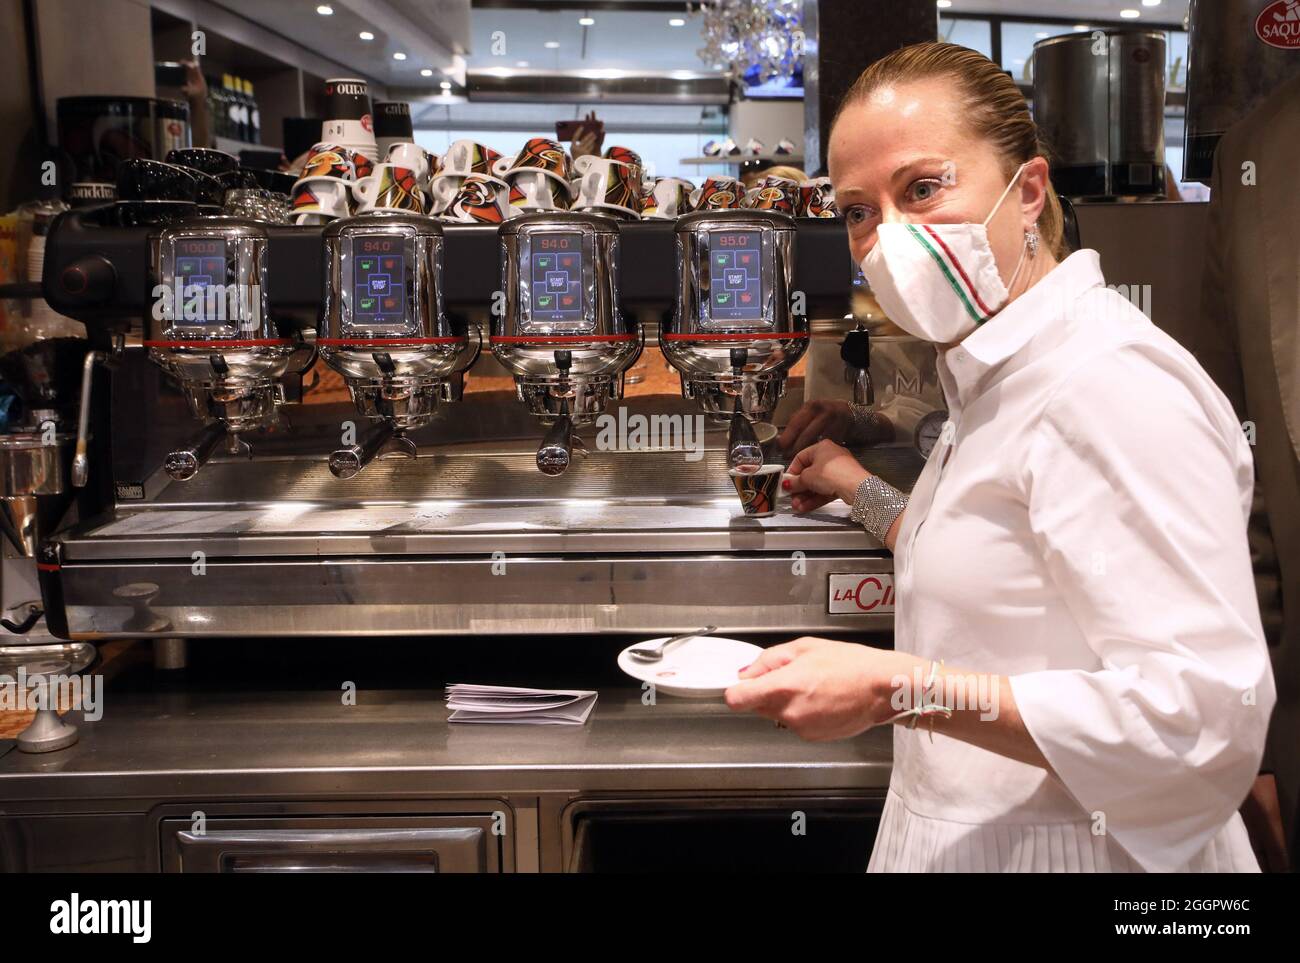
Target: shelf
795,160
235,146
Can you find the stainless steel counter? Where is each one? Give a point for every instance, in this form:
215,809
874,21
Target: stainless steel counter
265,750
181,745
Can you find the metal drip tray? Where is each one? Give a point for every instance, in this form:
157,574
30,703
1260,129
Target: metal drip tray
469,543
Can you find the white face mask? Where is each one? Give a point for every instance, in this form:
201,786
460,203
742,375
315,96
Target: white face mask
938,282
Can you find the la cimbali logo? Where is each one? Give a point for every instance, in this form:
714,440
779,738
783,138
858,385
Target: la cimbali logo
121,917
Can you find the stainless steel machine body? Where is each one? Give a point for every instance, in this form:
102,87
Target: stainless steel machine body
733,337
384,328
561,331
211,329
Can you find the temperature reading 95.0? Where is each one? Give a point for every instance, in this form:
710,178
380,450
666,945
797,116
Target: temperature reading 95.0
748,239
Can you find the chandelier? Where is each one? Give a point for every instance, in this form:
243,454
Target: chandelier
744,34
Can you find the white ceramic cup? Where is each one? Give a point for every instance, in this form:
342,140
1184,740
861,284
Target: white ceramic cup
413,157
328,197
390,188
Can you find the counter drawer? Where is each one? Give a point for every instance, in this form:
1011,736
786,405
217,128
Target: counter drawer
322,844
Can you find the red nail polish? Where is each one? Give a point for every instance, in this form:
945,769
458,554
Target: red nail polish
785,483
745,667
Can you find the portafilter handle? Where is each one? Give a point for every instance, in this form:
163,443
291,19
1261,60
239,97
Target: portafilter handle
555,453
347,462
184,463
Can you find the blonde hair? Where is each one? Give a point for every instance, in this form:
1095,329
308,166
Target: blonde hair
991,103
785,170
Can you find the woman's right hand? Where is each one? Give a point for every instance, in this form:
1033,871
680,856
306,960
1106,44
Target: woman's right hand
821,474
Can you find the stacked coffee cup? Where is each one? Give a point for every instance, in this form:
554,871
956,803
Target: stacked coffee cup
610,185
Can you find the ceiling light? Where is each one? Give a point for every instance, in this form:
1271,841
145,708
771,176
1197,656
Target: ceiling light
399,56
1130,14
944,4
426,72
521,63
445,85
676,22
325,10
1150,3
586,21
552,45
366,35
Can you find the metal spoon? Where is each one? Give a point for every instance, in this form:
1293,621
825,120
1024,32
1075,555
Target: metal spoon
654,651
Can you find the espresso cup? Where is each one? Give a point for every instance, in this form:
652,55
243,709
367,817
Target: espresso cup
480,200
442,191
390,188
667,198
541,154
413,157
605,183
773,197
203,159
465,157
758,489
329,160
318,199
718,194
625,155
536,190
149,180
817,198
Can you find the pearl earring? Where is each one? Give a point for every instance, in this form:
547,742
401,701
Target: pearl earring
1031,238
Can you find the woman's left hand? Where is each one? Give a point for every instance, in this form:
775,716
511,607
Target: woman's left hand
823,689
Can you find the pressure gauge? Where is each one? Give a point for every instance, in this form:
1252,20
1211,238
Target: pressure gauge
928,432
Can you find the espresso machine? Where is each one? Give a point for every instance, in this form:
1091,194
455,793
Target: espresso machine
560,331
211,330
460,534
384,328
732,335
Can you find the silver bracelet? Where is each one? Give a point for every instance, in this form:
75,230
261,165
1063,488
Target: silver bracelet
876,506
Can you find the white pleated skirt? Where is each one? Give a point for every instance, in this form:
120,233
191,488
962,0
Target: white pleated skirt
911,843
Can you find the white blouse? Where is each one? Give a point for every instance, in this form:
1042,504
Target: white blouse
1081,528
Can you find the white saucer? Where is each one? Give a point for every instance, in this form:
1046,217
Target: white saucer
701,667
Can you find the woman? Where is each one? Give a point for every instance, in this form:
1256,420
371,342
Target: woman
1079,678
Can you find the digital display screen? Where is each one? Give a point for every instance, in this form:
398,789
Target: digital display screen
555,278
379,280
735,275
200,264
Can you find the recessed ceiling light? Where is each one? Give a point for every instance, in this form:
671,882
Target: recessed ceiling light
1130,14
366,35
586,21
325,10
399,56
552,45
676,22
944,4
426,72
521,63
445,85
1150,3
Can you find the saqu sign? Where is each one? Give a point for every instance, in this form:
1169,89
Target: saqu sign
1278,24
855,594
